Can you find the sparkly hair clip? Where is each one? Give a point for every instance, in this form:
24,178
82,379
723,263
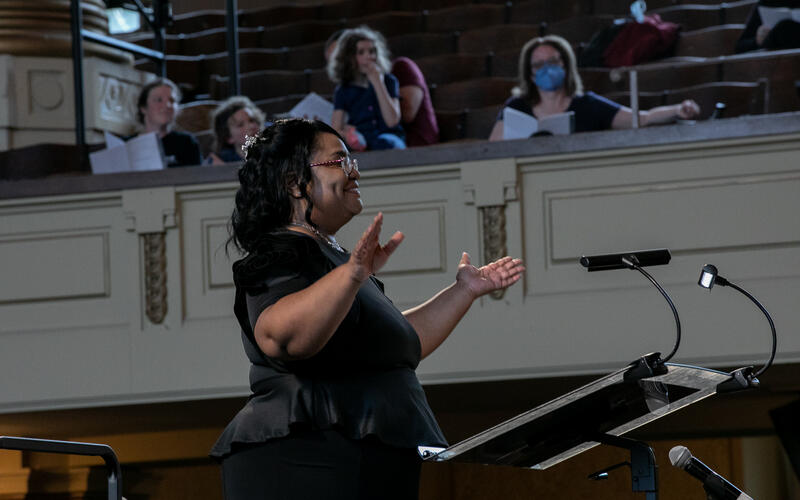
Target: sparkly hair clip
249,140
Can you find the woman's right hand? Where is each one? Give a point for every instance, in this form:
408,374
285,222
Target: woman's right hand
369,256
373,73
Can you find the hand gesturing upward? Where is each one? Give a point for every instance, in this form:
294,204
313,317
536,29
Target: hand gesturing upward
369,256
496,275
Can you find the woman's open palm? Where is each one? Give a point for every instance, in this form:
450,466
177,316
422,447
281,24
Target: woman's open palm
496,275
369,256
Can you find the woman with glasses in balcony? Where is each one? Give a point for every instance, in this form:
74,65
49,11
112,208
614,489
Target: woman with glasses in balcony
549,84
336,410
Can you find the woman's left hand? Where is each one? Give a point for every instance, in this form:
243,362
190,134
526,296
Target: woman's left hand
496,275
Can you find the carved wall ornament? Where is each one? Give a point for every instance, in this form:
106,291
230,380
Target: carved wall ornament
47,91
494,237
155,276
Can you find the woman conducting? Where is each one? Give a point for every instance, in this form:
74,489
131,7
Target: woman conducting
549,84
336,409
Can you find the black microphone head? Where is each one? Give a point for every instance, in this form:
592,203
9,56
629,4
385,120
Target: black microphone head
680,456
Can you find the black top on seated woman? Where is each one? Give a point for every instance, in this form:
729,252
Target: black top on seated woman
549,84
336,409
156,110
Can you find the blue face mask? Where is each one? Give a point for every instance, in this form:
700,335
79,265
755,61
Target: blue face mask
549,77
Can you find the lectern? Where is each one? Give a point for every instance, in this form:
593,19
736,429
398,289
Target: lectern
599,412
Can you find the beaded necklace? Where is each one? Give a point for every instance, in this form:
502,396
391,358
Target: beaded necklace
327,239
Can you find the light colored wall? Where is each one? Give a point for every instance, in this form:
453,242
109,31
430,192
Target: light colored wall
75,332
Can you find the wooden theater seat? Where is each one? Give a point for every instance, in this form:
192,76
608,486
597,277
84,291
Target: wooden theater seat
740,98
709,42
578,29
463,17
698,16
471,93
449,68
196,116
199,20
537,11
496,38
651,77
419,45
780,68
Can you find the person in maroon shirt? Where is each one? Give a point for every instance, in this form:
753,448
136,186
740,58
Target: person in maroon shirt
419,119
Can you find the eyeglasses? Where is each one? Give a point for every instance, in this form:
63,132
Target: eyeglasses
347,164
536,65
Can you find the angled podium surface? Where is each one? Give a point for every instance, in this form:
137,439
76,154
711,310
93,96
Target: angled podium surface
582,419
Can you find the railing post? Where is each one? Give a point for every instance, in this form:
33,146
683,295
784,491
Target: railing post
232,24
634,92
76,25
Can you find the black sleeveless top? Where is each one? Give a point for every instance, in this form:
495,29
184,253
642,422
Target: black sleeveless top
361,383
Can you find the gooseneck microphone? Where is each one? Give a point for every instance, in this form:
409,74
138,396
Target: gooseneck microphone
717,487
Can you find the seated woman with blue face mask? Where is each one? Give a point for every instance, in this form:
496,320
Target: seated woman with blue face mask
549,84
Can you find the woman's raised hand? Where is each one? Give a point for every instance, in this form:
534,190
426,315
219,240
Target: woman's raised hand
369,256
496,275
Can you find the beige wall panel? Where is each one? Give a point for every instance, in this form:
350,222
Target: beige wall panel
64,368
64,333
429,210
81,271
208,281
67,262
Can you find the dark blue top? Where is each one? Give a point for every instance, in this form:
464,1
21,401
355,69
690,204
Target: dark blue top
228,155
363,110
592,112
361,383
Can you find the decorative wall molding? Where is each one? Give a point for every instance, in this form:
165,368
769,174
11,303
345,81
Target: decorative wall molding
155,277
149,213
493,220
36,99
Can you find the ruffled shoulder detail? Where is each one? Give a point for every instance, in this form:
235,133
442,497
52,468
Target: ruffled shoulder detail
284,250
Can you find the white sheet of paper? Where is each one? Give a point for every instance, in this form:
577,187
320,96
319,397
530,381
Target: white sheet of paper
112,140
796,15
560,124
145,152
518,125
770,16
313,106
110,160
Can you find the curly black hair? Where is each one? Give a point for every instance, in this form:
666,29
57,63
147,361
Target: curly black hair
278,158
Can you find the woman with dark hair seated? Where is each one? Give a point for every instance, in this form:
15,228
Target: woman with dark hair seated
156,110
336,409
549,84
232,121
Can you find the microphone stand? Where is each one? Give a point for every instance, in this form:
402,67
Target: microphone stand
644,471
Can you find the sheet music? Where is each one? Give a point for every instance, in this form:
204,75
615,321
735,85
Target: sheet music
519,125
143,152
313,106
770,16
